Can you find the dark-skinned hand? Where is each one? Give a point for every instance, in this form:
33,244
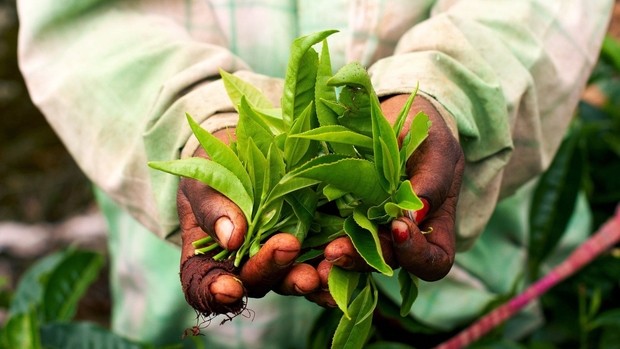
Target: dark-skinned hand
203,211
435,170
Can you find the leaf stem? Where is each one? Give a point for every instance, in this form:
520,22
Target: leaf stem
223,254
206,249
202,242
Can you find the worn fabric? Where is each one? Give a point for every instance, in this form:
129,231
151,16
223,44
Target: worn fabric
115,79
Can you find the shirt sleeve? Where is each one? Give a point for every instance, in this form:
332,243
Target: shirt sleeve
509,74
115,79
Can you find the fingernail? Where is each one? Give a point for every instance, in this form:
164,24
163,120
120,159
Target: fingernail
284,258
419,215
226,289
223,229
400,231
299,290
344,261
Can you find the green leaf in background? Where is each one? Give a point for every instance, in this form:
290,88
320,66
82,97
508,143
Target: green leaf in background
83,336
31,286
221,153
300,78
609,318
21,330
388,345
68,283
215,175
341,284
408,291
611,50
48,291
238,88
323,328
352,333
554,200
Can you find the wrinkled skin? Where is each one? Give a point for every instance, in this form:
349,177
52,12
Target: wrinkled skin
435,169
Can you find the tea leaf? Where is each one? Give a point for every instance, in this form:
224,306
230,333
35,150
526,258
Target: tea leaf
385,144
402,115
418,132
272,117
357,176
251,126
300,78
324,93
213,174
336,107
256,164
237,88
352,333
296,148
330,227
374,297
352,74
387,155
276,168
289,184
337,134
341,285
404,199
221,153
303,202
366,241
408,291
332,193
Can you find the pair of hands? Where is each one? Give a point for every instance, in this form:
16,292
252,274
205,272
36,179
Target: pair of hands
435,170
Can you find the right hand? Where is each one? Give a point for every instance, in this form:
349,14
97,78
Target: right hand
215,287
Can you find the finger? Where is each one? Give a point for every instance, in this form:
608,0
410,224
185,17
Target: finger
214,213
272,262
432,166
322,296
302,279
429,256
209,286
341,252
190,230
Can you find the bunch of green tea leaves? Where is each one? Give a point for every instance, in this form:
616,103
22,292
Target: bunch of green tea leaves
325,164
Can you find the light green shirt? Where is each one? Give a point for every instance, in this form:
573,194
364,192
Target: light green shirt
115,78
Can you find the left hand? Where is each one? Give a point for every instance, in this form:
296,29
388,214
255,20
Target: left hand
435,170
